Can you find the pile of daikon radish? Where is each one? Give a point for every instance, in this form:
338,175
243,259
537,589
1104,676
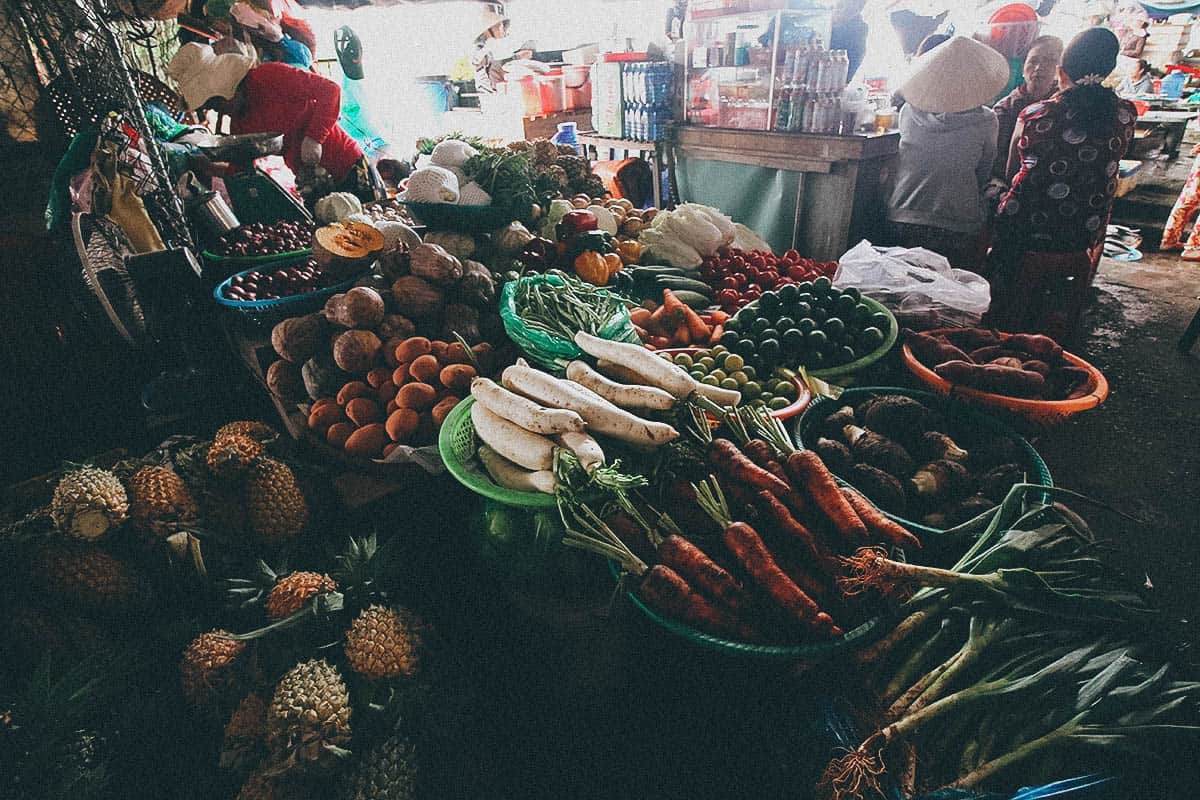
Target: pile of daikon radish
523,421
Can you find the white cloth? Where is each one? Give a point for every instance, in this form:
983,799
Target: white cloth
432,185
201,74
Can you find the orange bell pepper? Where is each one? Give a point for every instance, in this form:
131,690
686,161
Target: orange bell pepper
630,251
592,267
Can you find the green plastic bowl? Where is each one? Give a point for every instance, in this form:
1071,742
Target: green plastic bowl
889,338
957,414
449,216
457,446
852,640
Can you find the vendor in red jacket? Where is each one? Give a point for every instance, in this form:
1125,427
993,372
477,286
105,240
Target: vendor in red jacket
275,97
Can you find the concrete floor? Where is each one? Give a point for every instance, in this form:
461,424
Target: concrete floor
1140,451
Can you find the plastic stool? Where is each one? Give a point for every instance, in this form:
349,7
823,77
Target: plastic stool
1047,294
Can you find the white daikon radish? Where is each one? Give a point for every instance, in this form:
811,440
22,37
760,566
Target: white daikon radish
585,448
522,411
622,395
510,476
512,441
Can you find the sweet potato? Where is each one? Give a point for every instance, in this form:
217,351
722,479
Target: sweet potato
338,433
1038,366
412,348
425,369
455,353
1008,361
400,375
931,350
352,390
994,378
391,406
322,403
367,442
379,376
439,348
363,411
320,419
401,424
1036,344
443,409
972,338
457,377
388,449
417,396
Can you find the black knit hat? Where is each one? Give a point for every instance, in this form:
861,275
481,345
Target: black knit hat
1091,55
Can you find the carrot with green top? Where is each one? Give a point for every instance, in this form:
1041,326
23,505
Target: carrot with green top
694,565
807,470
877,522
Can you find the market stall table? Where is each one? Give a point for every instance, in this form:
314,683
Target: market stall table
1172,124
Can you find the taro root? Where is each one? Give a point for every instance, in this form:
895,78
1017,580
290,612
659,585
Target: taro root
995,483
834,425
360,307
882,489
959,512
941,480
356,351
935,444
434,264
879,451
297,339
897,417
835,455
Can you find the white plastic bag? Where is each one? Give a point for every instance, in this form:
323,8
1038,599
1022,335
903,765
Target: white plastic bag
919,285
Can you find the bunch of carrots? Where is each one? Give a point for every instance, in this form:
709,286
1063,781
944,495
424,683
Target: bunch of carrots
772,571
675,324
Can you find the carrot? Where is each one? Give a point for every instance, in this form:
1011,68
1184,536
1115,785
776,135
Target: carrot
877,522
705,574
759,451
639,316
655,320
682,335
807,470
813,583
673,303
716,317
778,515
667,591
752,554
736,466
747,546
717,332
642,333
696,327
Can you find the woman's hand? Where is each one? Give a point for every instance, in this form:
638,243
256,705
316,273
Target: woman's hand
310,151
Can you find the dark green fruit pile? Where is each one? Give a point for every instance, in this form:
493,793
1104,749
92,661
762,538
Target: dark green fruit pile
810,324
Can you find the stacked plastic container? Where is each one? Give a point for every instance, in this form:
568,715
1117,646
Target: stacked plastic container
646,89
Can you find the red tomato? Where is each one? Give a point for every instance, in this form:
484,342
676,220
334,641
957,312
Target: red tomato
796,272
741,278
729,282
738,263
728,297
752,292
757,260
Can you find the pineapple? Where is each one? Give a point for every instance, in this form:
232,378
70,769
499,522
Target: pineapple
223,508
292,591
210,668
245,733
277,508
230,457
258,431
160,503
88,575
384,643
88,502
387,772
309,718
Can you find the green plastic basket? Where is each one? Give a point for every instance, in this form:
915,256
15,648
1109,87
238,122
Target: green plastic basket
858,637
958,415
457,446
889,339
548,351
469,219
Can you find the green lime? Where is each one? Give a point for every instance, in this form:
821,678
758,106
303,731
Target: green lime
718,350
850,291
822,284
740,376
729,338
862,313
806,325
788,293
820,314
728,383
792,341
806,287
697,373
817,339
732,326
769,302
751,373
787,389
880,320
751,390
719,374
769,333
769,350
734,362
746,317
746,347
707,363
784,324
870,339
778,403
709,380
759,326
834,327
846,354
845,305
683,359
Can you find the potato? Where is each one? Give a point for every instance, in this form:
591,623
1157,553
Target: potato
379,376
363,411
389,448
322,403
360,307
457,377
425,369
352,390
412,348
485,354
356,351
368,441
338,433
439,350
387,392
456,353
443,409
320,419
286,381
401,424
417,396
298,339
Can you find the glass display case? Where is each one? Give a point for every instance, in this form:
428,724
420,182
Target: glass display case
752,66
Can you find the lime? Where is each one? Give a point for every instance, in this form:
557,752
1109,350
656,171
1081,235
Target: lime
750,372
880,320
822,284
834,327
802,310
697,373
785,324
862,313
719,374
817,339
778,403
759,326
684,360
740,376
769,302
751,390
788,293
845,305
728,383
709,380
734,362
732,325
787,389
845,354
769,350
769,333
850,291
730,337
747,347
806,325
870,339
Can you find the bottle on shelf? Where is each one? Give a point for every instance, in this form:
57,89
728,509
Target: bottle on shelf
784,109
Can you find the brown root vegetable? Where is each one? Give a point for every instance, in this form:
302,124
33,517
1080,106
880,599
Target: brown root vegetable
457,377
322,376
882,489
352,390
476,286
897,417
425,369
417,396
835,455
356,351
1037,345
364,411
417,298
1038,366
930,350
935,444
396,326
433,263
995,483
338,433
298,338
285,380
443,408
941,480
972,338
413,348
993,450
401,424
834,425
368,441
1010,362
869,447
959,512
464,321
994,378
360,307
